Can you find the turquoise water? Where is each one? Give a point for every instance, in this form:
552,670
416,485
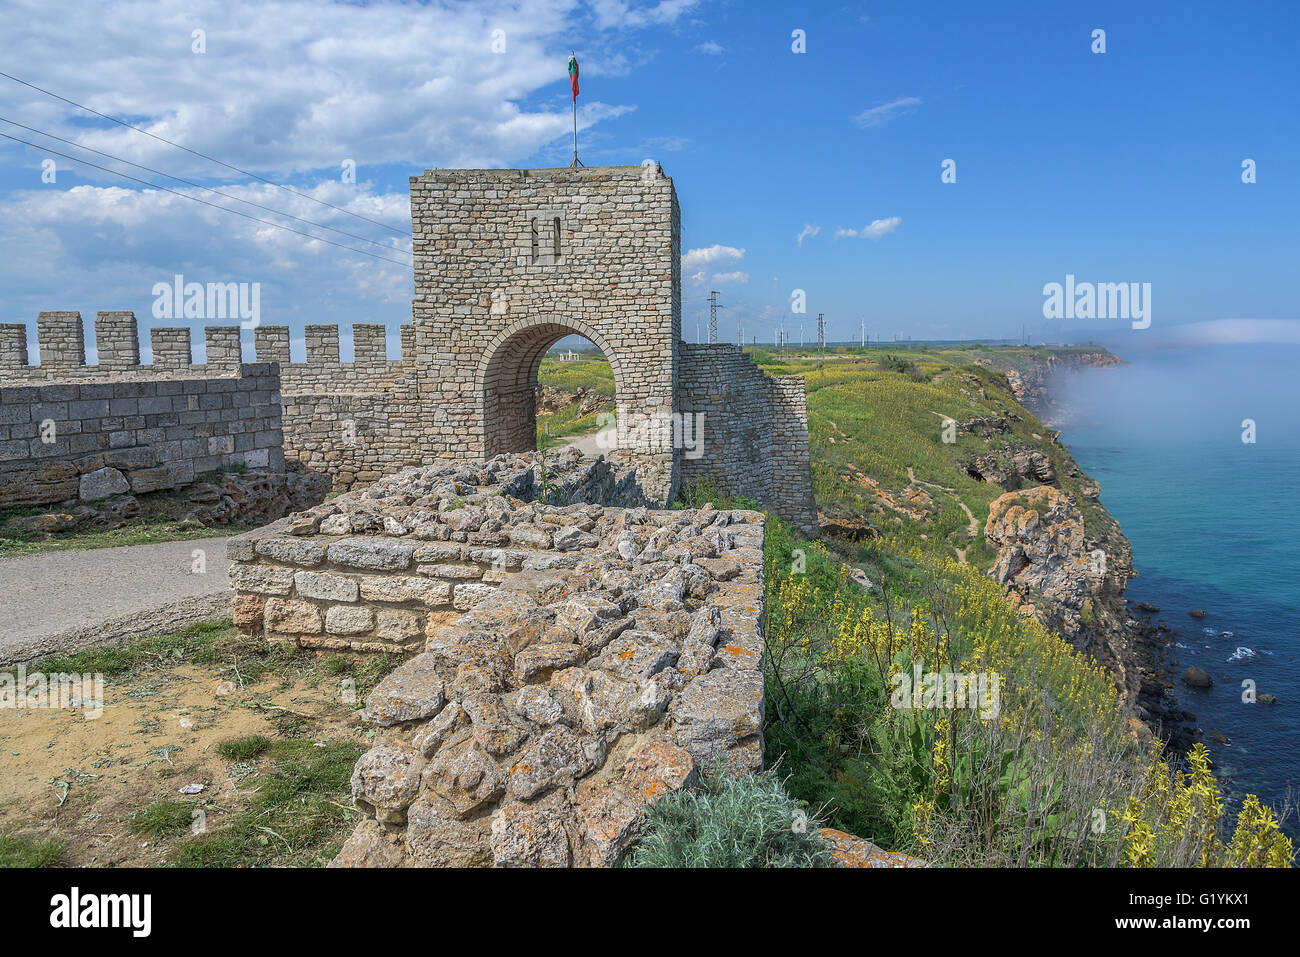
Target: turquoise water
1215,524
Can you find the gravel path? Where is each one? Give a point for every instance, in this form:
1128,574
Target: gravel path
58,601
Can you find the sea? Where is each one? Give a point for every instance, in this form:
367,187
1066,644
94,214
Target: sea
1197,449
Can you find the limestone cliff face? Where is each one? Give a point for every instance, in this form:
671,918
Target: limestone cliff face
1068,573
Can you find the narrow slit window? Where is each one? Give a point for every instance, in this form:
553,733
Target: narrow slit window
556,236
535,239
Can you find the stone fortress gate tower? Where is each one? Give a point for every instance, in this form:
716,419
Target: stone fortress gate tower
507,262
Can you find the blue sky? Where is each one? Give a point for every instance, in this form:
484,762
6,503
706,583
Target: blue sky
1122,166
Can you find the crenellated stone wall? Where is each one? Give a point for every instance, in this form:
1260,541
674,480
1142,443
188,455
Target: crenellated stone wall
506,263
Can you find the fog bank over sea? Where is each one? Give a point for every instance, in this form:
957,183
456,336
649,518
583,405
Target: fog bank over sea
1214,521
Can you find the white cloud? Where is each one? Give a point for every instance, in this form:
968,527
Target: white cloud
1231,332
711,255
92,248
882,114
710,48
874,230
808,230
724,277
666,144
300,85
621,13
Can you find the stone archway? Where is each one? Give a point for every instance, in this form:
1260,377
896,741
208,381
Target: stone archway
506,381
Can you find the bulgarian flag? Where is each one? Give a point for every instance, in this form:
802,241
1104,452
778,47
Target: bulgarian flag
573,74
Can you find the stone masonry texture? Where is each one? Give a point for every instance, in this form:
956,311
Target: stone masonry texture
62,439
573,661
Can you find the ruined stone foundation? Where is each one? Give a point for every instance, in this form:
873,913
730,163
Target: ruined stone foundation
575,660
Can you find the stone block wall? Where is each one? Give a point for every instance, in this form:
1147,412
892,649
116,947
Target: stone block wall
73,431
575,661
354,421
754,430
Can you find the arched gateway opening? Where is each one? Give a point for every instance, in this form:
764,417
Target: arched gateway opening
508,379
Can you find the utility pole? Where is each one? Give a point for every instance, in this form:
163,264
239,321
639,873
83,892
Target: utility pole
713,317
821,334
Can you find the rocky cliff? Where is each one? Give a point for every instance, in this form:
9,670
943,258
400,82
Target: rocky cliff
1070,573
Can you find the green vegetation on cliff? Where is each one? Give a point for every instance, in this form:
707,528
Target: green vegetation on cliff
894,437
1011,749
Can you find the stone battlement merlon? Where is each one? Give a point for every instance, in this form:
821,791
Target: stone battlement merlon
62,348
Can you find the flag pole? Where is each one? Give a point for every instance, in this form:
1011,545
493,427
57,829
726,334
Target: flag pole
573,61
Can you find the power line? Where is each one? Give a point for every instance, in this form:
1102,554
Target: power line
205,156
187,182
167,189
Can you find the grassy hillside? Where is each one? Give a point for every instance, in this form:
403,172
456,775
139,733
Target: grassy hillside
1032,764
878,421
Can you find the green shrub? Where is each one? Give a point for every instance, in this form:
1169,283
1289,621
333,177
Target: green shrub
163,817
242,749
1047,773
746,821
705,491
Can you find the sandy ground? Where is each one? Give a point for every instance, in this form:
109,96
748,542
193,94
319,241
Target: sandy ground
67,775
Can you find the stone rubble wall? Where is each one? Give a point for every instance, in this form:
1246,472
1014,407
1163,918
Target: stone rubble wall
754,430
574,661
114,437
